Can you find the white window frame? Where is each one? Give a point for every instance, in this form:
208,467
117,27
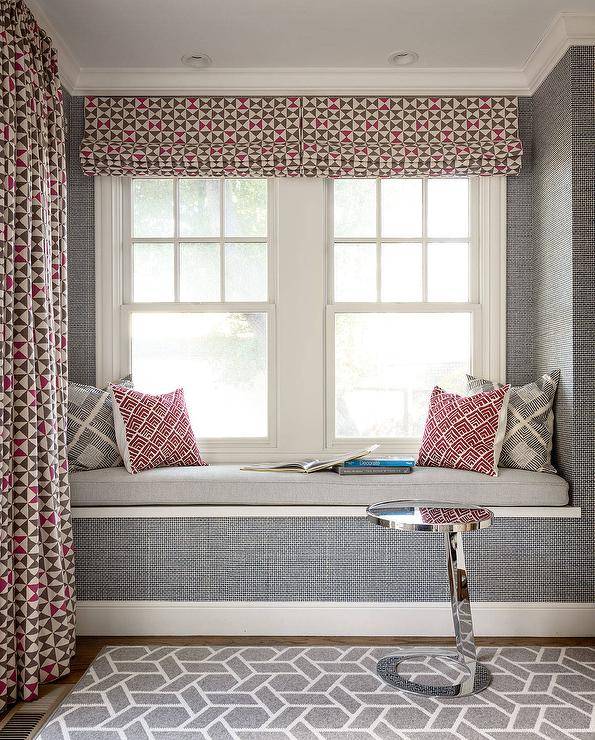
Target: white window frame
114,292
300,362
486,304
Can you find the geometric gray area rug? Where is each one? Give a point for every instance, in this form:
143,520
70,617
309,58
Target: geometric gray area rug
177,693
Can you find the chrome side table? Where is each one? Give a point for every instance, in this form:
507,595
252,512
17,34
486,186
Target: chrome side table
452,520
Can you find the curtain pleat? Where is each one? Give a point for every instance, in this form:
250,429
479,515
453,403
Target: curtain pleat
36,550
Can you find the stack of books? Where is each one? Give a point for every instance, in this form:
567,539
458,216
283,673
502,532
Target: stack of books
376,466
350,463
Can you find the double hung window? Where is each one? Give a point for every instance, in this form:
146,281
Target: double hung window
403,300
301,316
197,294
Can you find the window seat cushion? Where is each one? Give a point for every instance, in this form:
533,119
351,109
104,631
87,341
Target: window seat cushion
227,485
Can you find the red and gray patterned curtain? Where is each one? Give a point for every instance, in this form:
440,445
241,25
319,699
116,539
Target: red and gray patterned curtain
36,552
308,136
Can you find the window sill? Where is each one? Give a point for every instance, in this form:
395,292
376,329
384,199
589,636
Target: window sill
271,512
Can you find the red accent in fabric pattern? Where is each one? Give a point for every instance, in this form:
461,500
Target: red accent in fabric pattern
437,515
37,612
461,431
310,136
201,137
153,431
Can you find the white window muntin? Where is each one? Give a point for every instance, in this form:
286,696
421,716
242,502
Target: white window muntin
486,304
128,306
378,240
298,212
176,239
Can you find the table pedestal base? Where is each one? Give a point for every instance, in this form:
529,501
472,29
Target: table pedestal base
477,676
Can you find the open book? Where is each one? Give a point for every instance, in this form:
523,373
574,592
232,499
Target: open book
309,466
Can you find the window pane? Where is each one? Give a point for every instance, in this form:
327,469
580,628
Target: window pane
199,207
245,207
448,207
152,207
200,271
401,207
355,272
387,364
448,272
246,272
153,272
355,208
220,359
401,272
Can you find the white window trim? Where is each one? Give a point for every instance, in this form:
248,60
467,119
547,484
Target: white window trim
299,420
115,304
487,304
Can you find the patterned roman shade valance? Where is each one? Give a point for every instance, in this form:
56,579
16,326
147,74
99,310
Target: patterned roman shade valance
208,137
391,137
310,136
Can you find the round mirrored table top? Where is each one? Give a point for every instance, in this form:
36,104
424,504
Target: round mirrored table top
429,516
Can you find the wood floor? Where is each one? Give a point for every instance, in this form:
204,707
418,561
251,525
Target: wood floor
87,648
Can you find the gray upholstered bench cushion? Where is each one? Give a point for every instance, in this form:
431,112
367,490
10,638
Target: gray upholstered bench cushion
228,485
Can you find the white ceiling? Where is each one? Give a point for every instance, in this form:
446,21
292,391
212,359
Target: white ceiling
304,33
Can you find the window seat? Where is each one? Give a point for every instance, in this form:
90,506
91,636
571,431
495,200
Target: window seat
227,485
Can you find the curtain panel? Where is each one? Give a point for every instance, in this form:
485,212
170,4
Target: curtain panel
36,550
309,136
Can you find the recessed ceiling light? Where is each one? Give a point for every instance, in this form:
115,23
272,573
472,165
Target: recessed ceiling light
197,59
403,58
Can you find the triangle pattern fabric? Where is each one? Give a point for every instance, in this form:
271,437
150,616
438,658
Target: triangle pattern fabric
198,136
36,549
320,136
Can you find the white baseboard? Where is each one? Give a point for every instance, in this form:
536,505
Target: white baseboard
427,619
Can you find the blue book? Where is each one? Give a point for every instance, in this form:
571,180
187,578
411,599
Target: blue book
380,462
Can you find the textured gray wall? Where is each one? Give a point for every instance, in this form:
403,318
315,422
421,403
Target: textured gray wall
583,273
552,248
582,62
519,258
81,251
322,559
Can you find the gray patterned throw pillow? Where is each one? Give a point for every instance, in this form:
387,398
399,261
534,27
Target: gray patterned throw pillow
90,429
530,422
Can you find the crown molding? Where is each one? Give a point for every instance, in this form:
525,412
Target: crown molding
566,30
312,80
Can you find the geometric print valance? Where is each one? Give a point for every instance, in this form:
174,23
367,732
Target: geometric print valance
323,136
391,137
207,137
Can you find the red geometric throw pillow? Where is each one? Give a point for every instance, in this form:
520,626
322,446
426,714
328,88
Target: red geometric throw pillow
153,431
465,432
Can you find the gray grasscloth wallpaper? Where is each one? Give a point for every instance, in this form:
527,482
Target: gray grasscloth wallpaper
321,559
519,258
583,289
81,251
552,245
550,324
